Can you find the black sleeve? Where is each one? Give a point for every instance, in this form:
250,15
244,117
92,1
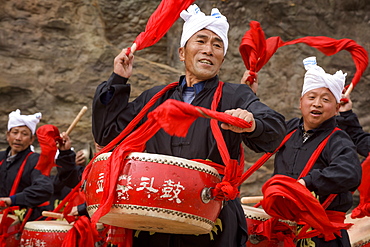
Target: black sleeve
68,173
270,128
343,172
111,98
348,122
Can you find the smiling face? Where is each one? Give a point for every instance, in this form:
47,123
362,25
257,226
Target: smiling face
19,138
317,106
203,56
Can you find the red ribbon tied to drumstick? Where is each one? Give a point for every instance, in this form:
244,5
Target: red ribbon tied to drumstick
167,12
256,50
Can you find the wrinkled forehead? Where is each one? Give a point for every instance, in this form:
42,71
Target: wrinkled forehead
20,128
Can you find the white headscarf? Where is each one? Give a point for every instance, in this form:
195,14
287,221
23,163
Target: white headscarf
196,20
16,120
316,77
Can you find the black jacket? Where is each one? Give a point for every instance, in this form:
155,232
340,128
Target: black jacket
33,189
112,112
336,171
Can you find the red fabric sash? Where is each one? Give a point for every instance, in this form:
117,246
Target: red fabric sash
363,209
81,234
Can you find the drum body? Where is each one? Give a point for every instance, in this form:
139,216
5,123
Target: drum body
157,193
359,233
14,237
255,217
46,233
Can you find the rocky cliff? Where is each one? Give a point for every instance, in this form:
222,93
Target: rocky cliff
53,54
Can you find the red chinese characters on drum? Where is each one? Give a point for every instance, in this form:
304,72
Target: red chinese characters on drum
157,193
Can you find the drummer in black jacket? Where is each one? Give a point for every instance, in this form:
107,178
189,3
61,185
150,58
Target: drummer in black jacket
337,169
34,188
203,47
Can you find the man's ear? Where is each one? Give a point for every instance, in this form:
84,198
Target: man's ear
182,54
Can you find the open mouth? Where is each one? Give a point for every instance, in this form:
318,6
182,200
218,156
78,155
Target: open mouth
316,113
206,61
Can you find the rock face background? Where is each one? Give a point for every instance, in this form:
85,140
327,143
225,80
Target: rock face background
53,54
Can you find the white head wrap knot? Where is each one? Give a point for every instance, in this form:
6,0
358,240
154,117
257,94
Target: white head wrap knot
316,77
196,20
16,120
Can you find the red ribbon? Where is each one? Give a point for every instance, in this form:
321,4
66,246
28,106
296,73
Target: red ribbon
256,50
83,233
287,199
47,136
167,12
363,209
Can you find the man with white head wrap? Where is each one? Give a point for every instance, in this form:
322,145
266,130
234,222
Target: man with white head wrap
34,188
337,169
203,47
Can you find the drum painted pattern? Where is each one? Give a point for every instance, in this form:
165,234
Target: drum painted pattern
157,193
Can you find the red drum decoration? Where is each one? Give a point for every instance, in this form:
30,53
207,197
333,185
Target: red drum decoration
157,193
46,233
255,217
14,236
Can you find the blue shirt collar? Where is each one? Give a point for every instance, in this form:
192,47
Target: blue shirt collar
197,86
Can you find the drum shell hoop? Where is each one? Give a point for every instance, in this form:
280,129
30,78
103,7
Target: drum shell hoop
159,210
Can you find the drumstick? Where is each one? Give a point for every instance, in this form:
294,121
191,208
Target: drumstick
52,215
75,121
251,199
348,91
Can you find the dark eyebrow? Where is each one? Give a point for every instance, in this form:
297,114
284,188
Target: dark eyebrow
201,36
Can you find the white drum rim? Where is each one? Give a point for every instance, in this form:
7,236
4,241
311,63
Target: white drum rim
159,213
165,159
260,215
57,226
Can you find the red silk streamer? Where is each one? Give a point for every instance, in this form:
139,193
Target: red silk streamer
285,198
167,12
330,46
256,51
363,209
47,136
273,229
80,234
